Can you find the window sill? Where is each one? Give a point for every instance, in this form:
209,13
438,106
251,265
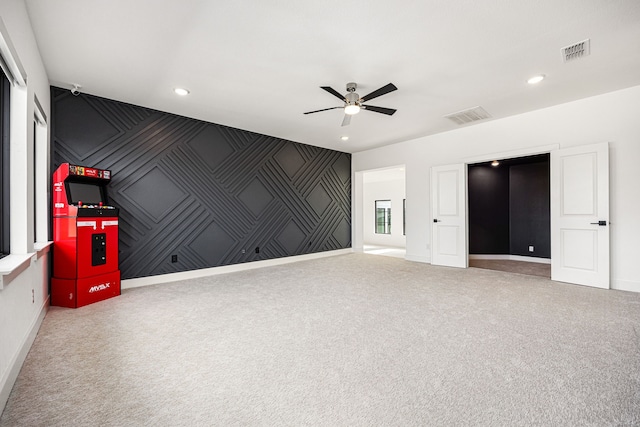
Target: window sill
14,264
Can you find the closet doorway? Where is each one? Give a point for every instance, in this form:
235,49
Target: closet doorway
509,215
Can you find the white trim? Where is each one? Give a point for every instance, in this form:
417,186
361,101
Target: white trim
512,154
38,111
15,70
42,248
12,265
15,364
625,285
513,258
20,193
41,176
193,274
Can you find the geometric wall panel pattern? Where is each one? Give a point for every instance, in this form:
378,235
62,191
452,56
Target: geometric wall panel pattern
157,203
208,193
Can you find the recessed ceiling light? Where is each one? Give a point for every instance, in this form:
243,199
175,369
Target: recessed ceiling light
536,79
181,91
344,138
495,163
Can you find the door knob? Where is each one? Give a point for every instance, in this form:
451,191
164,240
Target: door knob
600,223
436,220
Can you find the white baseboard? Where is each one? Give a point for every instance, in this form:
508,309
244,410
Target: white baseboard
625,285
194,274
512,258
9,379
418,258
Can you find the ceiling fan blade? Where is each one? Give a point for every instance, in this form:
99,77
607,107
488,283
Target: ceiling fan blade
382,91
387,111
346,120
333,92
324,109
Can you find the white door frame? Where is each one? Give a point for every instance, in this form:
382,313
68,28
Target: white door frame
544,149
358,207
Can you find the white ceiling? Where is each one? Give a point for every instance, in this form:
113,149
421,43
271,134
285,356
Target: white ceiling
258,65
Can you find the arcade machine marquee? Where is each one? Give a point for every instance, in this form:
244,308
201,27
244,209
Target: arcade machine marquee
85,238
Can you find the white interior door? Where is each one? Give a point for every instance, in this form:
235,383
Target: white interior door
580,215
448,211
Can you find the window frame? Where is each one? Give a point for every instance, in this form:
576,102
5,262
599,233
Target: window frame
40,174
5,169
386,215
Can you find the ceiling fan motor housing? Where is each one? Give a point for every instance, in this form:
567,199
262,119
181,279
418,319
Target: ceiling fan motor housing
352,98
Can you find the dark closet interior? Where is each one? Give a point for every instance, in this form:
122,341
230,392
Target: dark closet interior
509,207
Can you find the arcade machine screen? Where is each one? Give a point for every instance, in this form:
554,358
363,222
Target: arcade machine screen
88,194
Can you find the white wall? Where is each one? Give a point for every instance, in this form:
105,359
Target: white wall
606,118
384,190
24,295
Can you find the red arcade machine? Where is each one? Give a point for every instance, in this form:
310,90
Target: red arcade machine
85,238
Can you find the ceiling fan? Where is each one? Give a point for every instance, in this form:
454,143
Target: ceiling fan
353,103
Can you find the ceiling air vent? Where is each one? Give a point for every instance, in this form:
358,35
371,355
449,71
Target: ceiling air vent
576,51
467,116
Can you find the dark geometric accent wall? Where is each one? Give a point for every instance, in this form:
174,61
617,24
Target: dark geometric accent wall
530,209
488,190
210,194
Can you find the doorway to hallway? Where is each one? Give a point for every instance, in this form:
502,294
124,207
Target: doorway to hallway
384,212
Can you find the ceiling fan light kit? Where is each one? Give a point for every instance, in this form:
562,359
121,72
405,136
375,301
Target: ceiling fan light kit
352,109
353,103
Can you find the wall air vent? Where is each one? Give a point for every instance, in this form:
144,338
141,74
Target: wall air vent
467,116
576,50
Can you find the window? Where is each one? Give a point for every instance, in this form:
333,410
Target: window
13,85
5,86
383,216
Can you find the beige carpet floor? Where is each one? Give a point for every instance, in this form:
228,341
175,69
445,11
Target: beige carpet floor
511,266
350,340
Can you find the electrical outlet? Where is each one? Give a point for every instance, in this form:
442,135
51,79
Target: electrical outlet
174,258
244,251
257,249
530,248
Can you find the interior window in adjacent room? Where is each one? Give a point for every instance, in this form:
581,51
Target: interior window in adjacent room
383,216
